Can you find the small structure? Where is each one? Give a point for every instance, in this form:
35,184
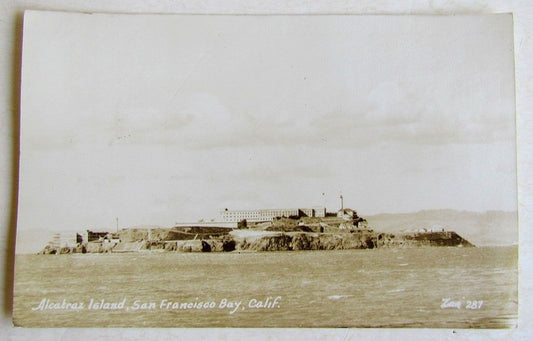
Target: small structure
112,238
91,236
347,214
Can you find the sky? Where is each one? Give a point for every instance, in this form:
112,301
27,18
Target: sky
162,119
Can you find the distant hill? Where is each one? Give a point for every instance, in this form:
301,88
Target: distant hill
482,229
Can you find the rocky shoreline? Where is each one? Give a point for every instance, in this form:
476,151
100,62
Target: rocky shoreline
264,240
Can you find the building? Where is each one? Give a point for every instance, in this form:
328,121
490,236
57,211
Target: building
319,212
347,213
91,236
271,214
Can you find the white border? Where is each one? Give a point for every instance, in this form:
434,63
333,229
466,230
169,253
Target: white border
10,38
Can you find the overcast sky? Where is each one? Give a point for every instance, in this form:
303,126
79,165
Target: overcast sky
160,119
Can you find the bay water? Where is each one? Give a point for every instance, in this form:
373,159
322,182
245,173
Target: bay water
420,287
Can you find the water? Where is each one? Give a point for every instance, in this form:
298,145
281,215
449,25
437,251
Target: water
352,288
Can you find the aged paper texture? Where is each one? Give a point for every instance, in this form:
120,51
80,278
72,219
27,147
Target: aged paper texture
267,171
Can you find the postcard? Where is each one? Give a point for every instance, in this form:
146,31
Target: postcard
267,171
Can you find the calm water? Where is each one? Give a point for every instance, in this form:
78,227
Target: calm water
352,288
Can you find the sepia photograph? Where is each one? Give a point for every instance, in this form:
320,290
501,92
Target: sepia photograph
267,171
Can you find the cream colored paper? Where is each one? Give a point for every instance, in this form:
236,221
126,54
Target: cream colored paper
153,121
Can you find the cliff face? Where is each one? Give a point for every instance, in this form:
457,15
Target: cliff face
348,241
445,238
309,241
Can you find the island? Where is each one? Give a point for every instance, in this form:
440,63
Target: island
255,230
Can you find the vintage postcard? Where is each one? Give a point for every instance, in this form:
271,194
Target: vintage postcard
267,171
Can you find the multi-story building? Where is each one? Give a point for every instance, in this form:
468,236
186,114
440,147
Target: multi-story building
271,214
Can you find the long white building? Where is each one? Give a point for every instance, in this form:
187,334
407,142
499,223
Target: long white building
270,214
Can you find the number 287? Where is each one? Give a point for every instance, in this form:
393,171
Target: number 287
473,305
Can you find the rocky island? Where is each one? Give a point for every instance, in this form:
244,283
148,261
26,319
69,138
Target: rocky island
302,229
